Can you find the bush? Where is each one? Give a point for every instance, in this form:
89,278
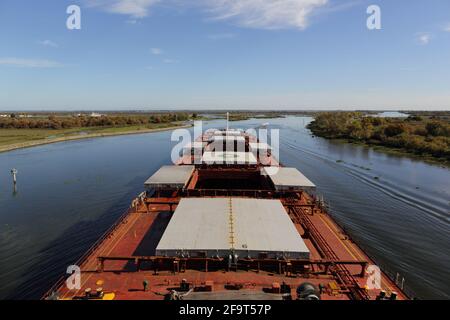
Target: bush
437,129
53,122
394,130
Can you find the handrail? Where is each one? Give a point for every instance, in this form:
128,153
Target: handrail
265,261
341,272
262,193
303,261
405,289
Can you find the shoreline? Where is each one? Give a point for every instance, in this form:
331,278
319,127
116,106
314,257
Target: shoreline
421,138
36,143
391,151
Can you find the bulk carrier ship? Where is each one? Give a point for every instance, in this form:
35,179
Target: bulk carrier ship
227,225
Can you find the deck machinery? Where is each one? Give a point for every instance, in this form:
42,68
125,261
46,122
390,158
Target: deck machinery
231,224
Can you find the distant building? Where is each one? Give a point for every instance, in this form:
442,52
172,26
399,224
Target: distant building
92,115
4,115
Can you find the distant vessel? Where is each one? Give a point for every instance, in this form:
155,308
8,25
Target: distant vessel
222,225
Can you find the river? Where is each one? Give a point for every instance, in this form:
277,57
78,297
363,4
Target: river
69,193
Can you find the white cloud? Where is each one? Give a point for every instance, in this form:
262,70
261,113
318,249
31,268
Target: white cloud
447,28
156,51
266,14
133,8
29,63
48,43
263,14
423,38
220,36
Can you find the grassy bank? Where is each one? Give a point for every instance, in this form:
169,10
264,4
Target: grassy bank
422,137
11,139
254,115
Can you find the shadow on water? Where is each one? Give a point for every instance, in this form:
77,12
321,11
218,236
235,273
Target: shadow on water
68,248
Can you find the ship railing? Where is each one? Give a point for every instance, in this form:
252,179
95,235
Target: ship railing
344,276
284,264
222,192
250,193
395,277
399,281
82,260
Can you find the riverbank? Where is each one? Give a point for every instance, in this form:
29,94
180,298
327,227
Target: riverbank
13,139
418,137
427,158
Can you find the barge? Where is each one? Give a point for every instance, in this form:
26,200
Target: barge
227,225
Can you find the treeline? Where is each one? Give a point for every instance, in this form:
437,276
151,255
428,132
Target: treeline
416,134
54,122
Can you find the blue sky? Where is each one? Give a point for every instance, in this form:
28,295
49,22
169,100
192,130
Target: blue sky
251,54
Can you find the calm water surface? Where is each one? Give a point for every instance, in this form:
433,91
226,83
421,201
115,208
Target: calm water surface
69,193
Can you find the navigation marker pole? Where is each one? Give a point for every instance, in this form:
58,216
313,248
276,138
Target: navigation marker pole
14,175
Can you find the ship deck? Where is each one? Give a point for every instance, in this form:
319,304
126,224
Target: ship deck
138,233
126,256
